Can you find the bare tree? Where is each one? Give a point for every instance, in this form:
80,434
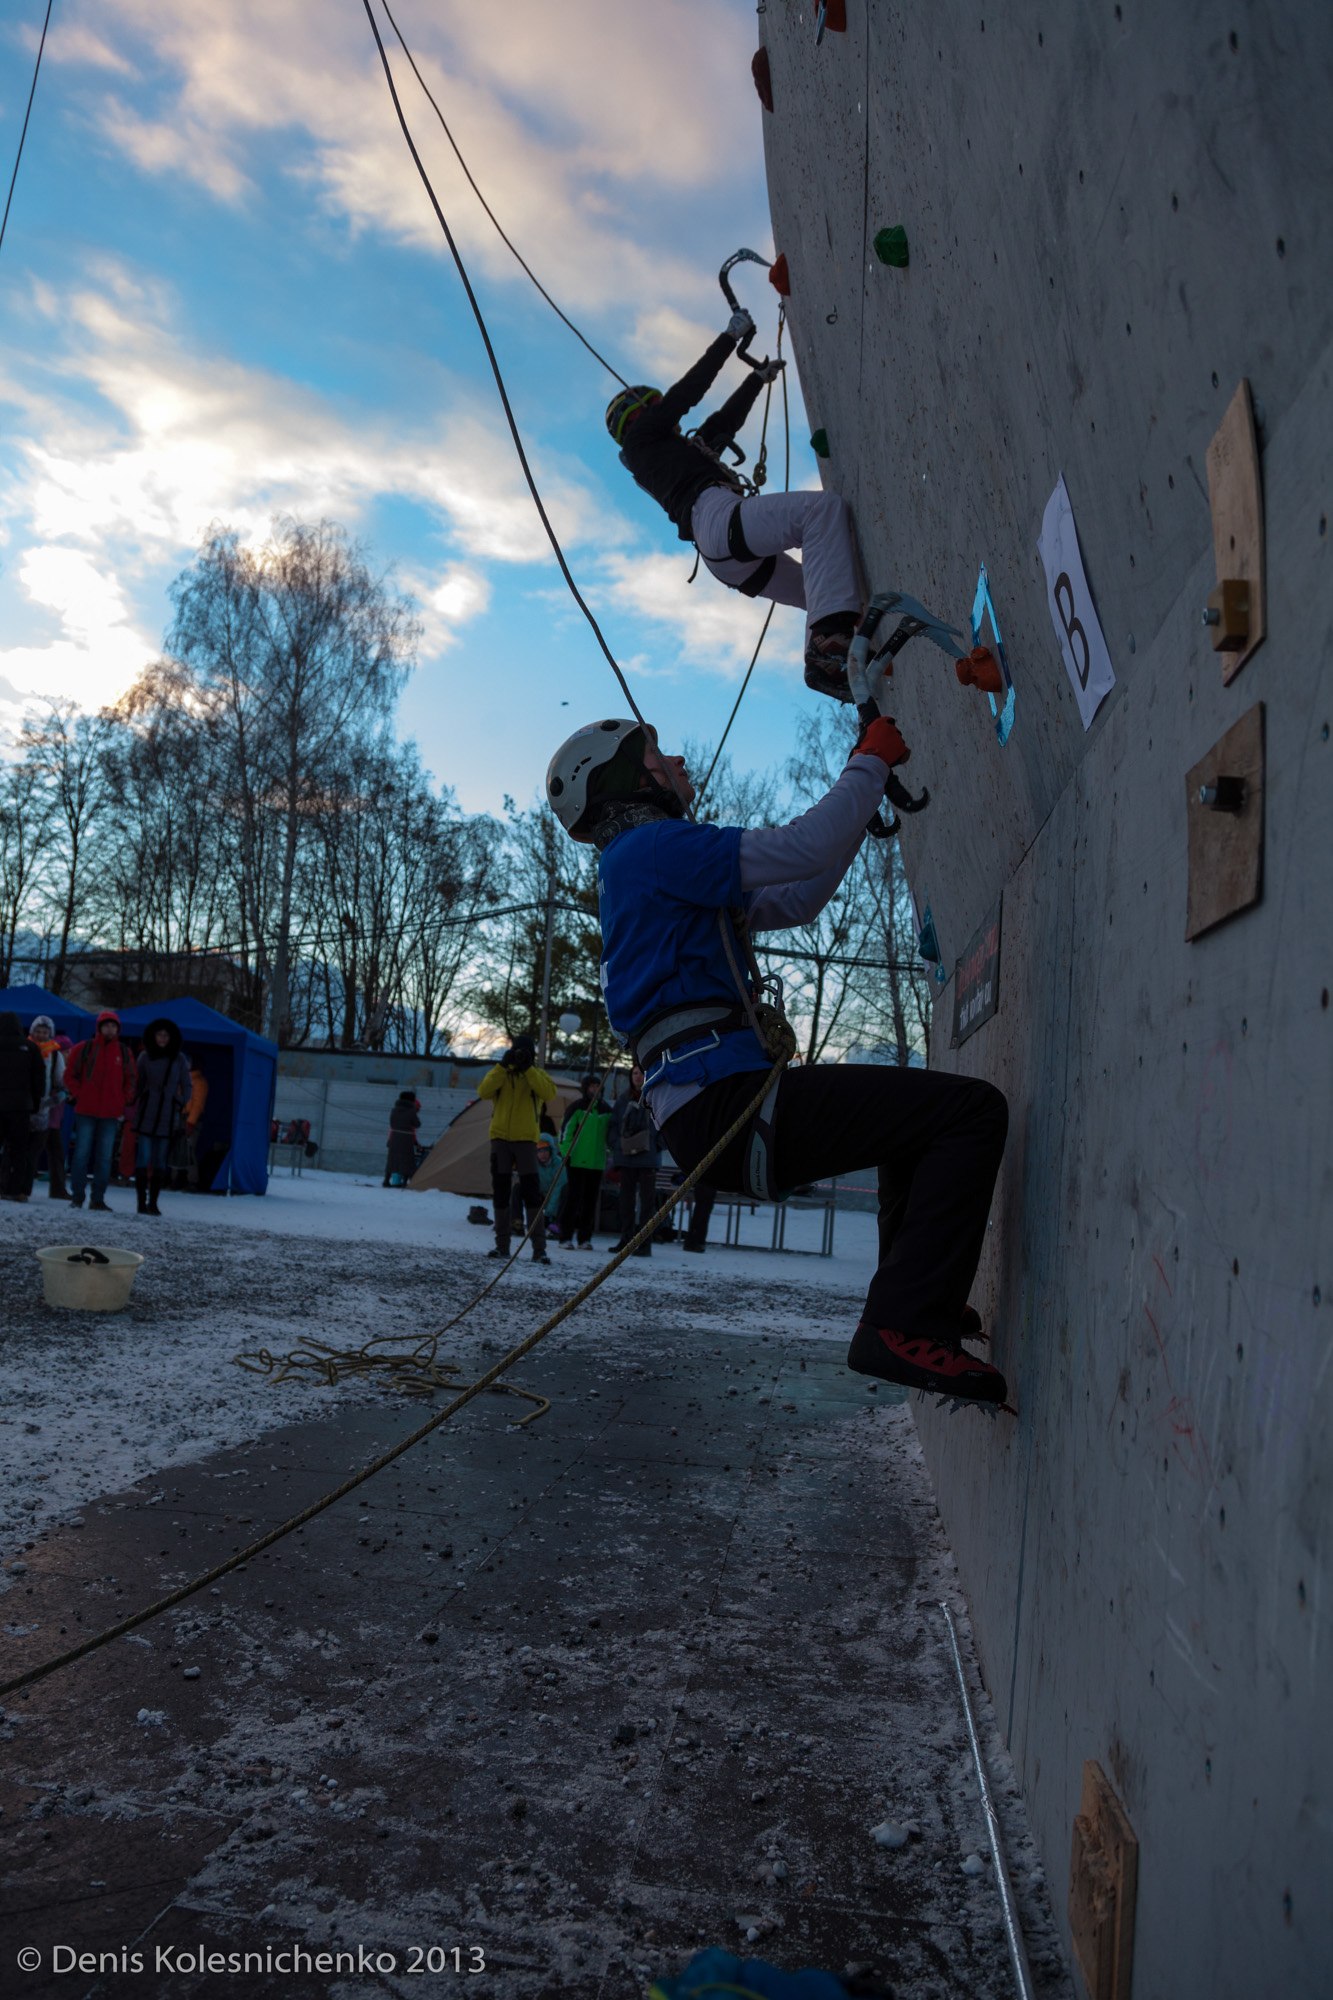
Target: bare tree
24,819
66,750
301,649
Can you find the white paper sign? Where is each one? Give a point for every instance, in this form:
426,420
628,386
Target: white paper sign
1073,614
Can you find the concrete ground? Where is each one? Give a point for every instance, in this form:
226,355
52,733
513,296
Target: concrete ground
546,1708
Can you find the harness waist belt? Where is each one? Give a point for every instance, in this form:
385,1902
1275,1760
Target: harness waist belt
683,1024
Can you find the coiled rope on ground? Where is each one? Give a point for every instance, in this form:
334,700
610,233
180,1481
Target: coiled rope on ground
490,1379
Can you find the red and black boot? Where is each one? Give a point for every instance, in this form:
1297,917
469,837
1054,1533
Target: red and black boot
916,1361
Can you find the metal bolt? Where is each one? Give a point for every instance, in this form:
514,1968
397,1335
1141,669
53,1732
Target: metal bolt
1211,616
1223,795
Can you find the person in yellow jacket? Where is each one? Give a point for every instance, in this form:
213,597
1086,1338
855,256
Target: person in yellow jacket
517,1090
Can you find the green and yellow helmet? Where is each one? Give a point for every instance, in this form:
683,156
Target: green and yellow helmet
624,408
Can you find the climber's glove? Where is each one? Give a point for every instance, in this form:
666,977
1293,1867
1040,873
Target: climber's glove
883,739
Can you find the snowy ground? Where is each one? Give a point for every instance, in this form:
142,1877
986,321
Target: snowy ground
644,1675
92,1403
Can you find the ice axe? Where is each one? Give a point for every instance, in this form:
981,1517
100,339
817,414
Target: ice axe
724,279
868,675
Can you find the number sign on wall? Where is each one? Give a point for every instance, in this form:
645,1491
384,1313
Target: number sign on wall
1073,614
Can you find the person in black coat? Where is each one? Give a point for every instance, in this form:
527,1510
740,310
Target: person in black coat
158,1112
22,1081
635,1149
404,1122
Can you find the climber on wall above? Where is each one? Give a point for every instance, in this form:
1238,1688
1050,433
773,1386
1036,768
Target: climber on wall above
744,540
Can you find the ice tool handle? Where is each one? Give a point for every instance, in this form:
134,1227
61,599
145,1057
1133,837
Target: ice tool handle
870,667
724,279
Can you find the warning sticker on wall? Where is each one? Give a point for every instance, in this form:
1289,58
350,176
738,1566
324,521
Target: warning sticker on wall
1087,661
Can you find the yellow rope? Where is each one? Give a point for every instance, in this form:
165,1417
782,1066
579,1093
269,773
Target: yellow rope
482,1383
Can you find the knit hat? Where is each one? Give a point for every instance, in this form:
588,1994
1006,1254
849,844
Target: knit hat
43,1029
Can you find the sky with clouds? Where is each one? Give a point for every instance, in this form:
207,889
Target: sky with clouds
223,296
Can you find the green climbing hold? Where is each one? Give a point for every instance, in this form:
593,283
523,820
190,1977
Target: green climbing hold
819,444
891,247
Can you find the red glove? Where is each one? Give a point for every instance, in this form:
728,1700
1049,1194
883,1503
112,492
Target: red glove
883,739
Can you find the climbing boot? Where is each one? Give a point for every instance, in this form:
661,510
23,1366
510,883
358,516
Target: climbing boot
916,1361
826,664
141,1192
154,1183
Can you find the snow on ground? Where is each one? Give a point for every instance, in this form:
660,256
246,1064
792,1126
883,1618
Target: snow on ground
90,1404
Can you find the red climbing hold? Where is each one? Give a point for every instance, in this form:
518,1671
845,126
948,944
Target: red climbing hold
780,277
980,669
835,16
763,81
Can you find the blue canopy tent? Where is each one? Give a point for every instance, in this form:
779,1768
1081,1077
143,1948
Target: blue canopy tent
242,1073
30,1001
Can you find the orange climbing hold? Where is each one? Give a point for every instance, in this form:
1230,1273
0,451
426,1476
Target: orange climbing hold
980,669
780,277
763,79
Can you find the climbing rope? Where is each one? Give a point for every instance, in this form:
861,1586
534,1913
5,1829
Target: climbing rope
473,1390
417,1369
36,72
495,220
510,419
763,631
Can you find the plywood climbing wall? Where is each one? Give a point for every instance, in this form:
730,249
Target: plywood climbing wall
1113,216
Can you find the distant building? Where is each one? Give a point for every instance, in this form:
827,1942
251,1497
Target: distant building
97,979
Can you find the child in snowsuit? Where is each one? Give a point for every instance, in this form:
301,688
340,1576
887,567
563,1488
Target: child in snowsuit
744,541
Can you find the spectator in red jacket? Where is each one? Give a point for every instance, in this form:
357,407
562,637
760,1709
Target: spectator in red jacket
101,1078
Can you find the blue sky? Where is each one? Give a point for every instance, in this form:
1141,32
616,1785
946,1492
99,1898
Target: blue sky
223,295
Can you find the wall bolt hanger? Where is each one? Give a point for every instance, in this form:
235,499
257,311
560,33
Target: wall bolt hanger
1234,612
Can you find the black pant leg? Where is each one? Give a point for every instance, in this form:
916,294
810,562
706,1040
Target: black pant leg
500,1186
530,1188
701,1214
936,1139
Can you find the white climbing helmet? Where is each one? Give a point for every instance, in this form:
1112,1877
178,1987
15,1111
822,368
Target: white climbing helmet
575,765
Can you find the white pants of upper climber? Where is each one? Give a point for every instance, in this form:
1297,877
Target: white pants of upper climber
818,524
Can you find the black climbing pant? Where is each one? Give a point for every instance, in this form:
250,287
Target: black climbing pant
578,1218
935,1139
530,1188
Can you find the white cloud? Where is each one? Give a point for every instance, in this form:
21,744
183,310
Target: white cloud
714,628
447,602
97,652
101,496
77,45
569,161
192,438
